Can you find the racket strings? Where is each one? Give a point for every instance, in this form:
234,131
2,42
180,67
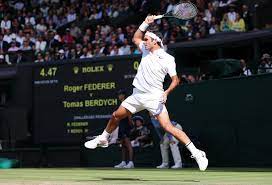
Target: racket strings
185,11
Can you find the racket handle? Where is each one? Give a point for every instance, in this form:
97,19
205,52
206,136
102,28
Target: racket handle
158,17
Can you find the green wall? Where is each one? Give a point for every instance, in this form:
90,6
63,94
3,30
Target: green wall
230,118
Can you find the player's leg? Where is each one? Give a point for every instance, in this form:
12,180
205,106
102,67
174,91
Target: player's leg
197,154
102,140
117,115
164,120
114,136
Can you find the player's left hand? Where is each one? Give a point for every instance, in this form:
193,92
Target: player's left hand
164,97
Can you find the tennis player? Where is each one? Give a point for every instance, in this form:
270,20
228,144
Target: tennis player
148,92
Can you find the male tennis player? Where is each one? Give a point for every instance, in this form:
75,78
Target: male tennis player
148,92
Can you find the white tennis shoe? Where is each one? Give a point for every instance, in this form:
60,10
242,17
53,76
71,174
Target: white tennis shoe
163,165
176,166
97,142
130,164
121,165
201,160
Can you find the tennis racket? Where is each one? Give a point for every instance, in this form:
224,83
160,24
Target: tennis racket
183,10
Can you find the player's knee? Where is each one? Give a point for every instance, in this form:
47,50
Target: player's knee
115,117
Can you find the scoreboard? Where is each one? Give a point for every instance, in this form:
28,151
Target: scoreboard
76,99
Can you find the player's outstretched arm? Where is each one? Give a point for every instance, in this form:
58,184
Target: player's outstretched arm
172,86
138,35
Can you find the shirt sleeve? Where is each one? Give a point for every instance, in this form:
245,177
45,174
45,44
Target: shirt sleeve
171,68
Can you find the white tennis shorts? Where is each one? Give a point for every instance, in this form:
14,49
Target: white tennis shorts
139,101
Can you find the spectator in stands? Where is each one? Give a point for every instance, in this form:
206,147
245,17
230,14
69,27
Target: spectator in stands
209,13
7,36
125,48
56,40
213,26
247,16
41,27
68,39
264,65
245,70
114,51
78,50
73,54
96,40
189,32
5,24
121,35
86,53
200,25
97,52
13,47
166,32
25,46
39,58
47,57
96,15
28,28
40,44
178,33
15,26
103,49
115,12
135,50
61,55
19,5
3,44
30,19
71,16
20,37
225,24
238,24
44,9
232,13
75,31
140,134
124,129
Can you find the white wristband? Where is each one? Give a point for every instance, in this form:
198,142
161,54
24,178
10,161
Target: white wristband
143,26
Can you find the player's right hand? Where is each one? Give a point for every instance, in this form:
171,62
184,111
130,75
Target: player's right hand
150,19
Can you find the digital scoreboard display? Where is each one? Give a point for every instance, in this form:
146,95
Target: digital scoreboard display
74,100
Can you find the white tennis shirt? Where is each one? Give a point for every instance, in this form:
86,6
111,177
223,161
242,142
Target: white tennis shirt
153,69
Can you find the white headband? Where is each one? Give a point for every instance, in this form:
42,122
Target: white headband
154,36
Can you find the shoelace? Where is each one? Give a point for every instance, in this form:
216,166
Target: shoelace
201,153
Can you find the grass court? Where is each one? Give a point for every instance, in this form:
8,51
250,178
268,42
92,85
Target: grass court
141,176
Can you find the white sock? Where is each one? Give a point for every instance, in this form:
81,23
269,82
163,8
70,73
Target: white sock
105,135
191,147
